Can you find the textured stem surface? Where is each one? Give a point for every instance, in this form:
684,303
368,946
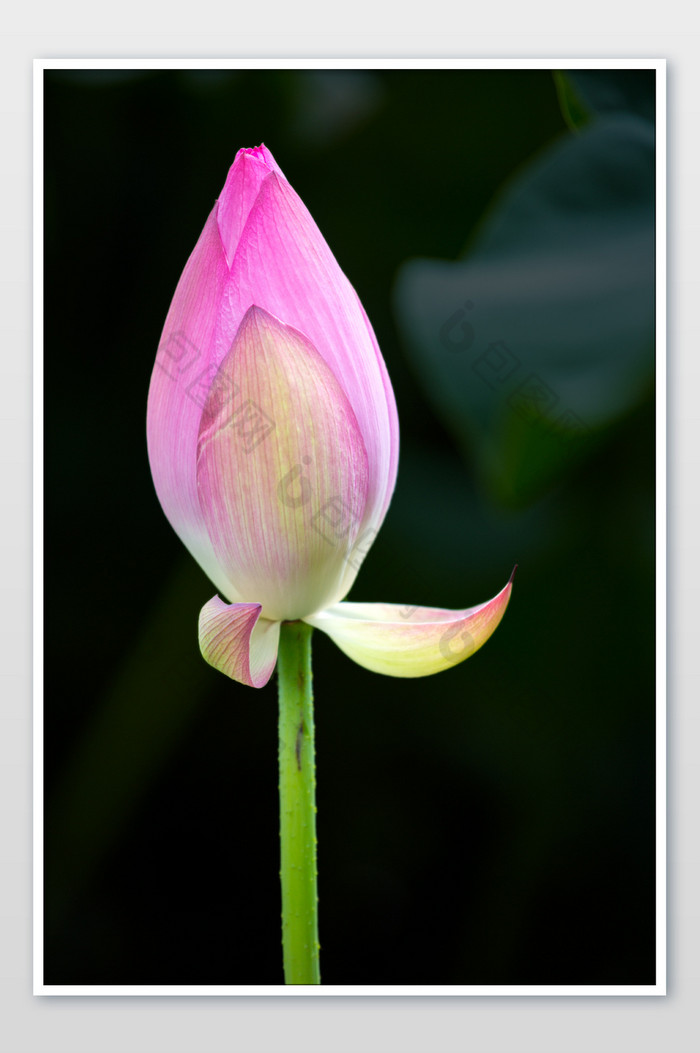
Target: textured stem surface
297,769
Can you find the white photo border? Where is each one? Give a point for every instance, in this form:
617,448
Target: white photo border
560,990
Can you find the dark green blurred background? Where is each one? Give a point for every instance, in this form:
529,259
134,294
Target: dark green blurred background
493,824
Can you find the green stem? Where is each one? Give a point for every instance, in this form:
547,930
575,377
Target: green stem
297,806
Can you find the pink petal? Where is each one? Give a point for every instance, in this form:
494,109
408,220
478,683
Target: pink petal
279,261
281,471
189,354
410,641
246,175
284,265
185,365
238,642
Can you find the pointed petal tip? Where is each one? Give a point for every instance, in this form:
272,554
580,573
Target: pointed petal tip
257,161
285,451
256,153
251,168
512,574
283,263
258,316
406,641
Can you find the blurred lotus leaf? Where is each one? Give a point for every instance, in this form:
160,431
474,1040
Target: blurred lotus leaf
541,338
590,92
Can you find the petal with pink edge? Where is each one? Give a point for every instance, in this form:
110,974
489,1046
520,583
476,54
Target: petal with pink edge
284,265
191,348
410,641
185,365
238,642
281,471
251,166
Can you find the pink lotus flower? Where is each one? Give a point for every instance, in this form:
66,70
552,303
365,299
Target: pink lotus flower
273,442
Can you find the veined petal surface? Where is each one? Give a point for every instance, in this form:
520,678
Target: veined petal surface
185,366
245,177
409,641
238,642
283,264
282,471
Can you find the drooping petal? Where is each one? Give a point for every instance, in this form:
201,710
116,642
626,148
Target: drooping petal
237,641
185,365
282,471
410,641
284,265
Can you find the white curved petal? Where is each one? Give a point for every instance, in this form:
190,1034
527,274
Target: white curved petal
410,641
234,639
282,471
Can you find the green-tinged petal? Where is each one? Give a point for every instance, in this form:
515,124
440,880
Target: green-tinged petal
410,641
238,642
281,471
